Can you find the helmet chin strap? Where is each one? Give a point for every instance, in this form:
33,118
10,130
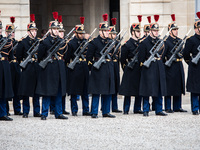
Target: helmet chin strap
198,30
31,34
103,34
52,33
173,34
153,34
135,35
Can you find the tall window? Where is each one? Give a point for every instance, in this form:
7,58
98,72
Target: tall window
197,8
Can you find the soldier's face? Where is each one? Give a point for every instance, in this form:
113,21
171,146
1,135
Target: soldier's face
61,34
197,31
0,31
13,35
155,33
138,34
104,34
112,36
146,33
174,32
54,31
81,36
32,33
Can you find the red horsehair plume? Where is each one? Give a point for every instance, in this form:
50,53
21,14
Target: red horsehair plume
149,19
12,19
173,17
156,18
32,16
139,18
198,14
55,15
114,21
59,18
105,17
82,19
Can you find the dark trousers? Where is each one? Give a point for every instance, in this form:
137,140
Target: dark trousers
58,104
127,103
157,101
36,105
176,102
52,104
3,110
85,103
106,99
195,103
114,102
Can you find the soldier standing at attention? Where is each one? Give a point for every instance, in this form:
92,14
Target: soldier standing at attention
147,28
15,71
77,78
28,79
62,52
52,78
115,58
101,81
6,90
131,77
153,80
192,48
175,73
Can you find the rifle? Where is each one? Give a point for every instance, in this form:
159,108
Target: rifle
134,60
102,59
154,50
18,42
5,40
53,50
176,49
76,59
32,50
195,60
118,45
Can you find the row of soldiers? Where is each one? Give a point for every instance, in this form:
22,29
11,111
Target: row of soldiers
79,65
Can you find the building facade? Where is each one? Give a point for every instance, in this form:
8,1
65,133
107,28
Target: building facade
125,11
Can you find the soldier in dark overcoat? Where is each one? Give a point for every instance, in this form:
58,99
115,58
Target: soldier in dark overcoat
175,73
131,77
6,90
52,78
153,80
115,57
61,35
78,77
15,71
101,81
28,79
192,48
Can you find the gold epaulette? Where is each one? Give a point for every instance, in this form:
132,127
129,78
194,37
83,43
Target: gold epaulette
140,41
89,62
189,37
124,65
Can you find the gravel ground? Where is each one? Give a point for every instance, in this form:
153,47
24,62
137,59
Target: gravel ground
135,132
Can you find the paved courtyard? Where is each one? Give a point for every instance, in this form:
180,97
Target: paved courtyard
135,132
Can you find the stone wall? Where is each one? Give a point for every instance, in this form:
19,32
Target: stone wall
183,9
20,10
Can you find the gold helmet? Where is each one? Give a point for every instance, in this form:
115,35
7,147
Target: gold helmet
54,24
80,28
10,27
172,25
104,25
32,25
155,26
197,23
